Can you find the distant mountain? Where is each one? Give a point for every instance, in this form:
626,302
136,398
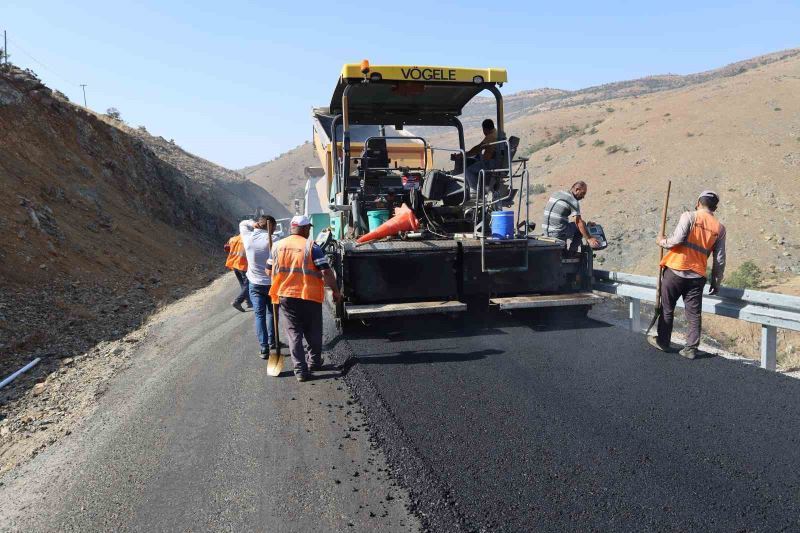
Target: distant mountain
283,176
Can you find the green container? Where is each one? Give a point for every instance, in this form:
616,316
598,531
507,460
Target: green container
376,218
336,225
320,222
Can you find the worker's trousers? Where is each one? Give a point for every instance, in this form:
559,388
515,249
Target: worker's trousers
691,290
302,319
244,284
262,311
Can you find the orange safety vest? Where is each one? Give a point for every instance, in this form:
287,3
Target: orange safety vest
294,274
237,258
693,253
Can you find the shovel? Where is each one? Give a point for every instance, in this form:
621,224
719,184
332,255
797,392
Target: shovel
275,361
660,257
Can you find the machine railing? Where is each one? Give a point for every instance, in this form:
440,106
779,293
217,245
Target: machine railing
481,205
773,311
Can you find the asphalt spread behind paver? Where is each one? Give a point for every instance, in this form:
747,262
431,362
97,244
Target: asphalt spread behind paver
506,425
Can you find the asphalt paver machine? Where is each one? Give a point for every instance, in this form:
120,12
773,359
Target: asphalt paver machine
375,159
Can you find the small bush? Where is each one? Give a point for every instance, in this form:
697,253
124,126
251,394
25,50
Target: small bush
689,134
597,122
580,143
550,139
667,114
598,142
610,110
614,148
548,157
113,112
777,109
537,188
747,276
593,131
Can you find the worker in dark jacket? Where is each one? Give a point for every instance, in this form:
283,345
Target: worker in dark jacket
698,235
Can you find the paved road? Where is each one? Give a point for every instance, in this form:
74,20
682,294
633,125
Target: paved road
196,437
506,426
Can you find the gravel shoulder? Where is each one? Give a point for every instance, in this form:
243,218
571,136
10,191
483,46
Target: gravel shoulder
193,435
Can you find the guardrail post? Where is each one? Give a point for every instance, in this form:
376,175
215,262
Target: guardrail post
769,342
635,314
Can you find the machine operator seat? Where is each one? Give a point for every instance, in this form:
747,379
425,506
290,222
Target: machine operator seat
375,155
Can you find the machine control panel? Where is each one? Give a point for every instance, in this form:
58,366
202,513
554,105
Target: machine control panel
596,231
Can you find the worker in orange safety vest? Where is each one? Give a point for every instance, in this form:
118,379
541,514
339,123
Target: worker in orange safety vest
237,261
300,272
698,236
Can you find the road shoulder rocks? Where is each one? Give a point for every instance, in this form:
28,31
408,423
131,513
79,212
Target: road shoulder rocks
65,393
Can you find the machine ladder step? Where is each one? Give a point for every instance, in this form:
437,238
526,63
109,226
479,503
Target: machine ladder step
403,309
533,301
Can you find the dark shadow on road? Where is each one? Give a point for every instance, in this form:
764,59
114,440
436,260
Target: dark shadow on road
539,320
415,357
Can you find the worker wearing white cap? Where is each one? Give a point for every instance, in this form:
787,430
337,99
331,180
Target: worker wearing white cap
698,235
300,272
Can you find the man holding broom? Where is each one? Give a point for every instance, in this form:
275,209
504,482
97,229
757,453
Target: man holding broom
698,235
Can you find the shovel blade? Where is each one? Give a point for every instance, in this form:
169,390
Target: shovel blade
275,364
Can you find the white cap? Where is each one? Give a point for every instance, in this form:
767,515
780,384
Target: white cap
709,194
300,220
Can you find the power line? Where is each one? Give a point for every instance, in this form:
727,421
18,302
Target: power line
50,70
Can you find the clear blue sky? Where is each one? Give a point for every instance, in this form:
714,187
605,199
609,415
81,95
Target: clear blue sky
234,81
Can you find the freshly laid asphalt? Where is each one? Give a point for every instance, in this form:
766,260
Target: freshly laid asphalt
509,425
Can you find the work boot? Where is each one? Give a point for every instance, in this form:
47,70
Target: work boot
689,352
303,376
653,341
316,367
264,352
238,306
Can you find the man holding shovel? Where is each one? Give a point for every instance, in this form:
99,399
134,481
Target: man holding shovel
698,235
300,272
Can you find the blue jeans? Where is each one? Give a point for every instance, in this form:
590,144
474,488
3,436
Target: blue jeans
262,309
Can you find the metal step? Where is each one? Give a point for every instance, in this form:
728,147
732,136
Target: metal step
530,301
403,309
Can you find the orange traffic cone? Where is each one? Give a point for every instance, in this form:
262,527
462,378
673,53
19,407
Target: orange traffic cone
403,220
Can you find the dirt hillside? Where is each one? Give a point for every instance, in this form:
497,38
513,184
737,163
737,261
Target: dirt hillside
738,135
283,176
100,224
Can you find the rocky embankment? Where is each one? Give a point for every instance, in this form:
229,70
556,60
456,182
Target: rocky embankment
99,227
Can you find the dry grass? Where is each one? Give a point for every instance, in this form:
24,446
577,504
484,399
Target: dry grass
744,339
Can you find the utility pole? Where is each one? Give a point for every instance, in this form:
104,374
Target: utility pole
83,86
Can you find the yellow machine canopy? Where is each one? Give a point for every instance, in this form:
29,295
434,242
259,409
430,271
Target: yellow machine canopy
395,94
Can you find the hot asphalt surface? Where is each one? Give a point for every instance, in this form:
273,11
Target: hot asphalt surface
508,426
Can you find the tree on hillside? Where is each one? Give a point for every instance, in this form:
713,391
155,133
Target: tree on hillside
113,112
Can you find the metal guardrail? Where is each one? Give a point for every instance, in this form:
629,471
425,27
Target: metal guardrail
771,310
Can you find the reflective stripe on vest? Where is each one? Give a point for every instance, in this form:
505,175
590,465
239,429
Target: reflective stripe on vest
696,248
293,273
693,253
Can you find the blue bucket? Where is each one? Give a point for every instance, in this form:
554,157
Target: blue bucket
376,218
502,224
